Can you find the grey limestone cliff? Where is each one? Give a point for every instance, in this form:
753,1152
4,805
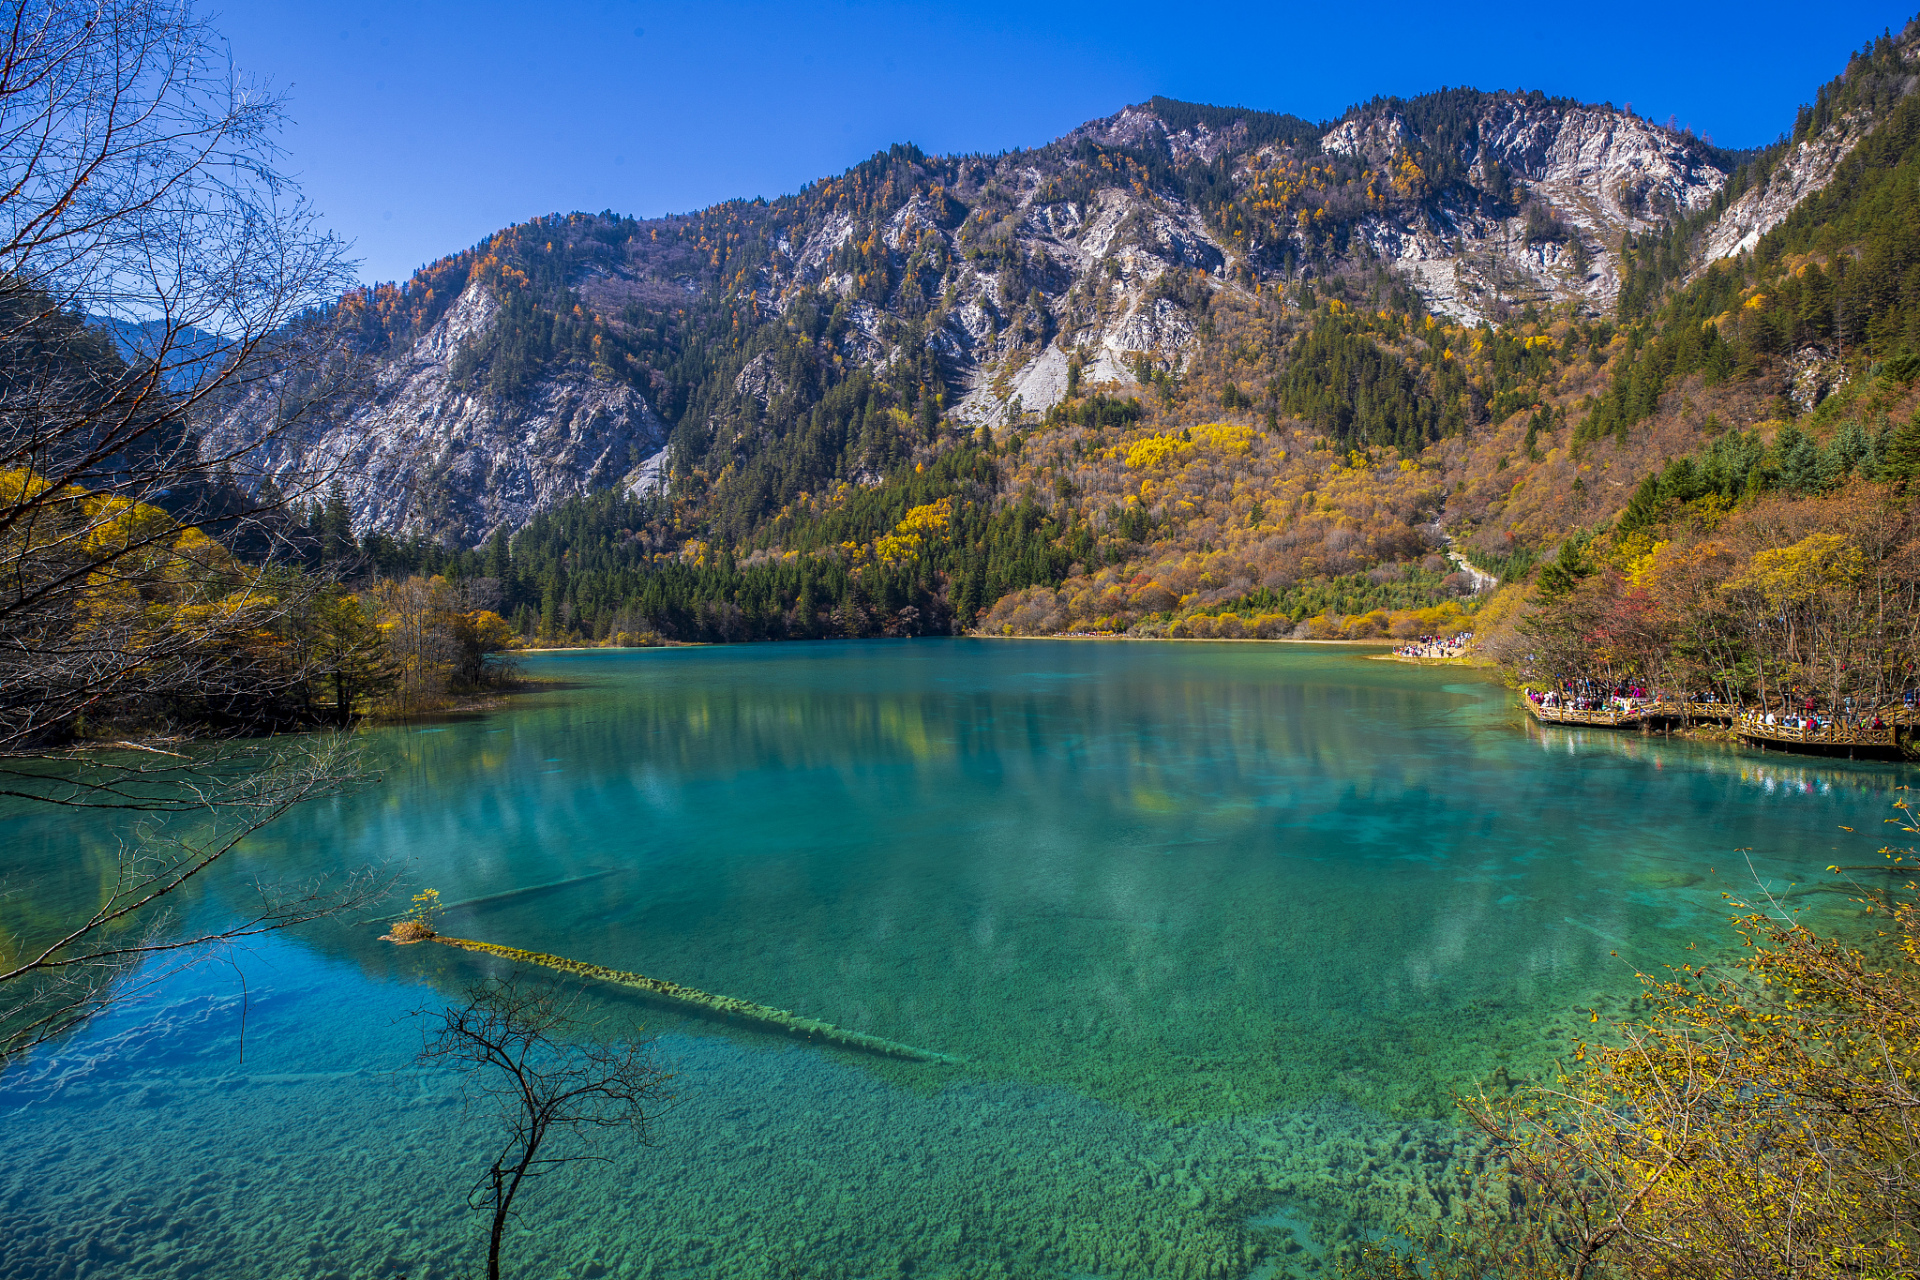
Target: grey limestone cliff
420,453
1030,269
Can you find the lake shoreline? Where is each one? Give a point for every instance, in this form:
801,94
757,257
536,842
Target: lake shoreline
1468,663
1065,869
1374,642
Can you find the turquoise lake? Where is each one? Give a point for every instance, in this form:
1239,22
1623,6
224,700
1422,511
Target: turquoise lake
1217,930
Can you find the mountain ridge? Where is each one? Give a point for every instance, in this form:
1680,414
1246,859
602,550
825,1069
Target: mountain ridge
1005,332
1421,316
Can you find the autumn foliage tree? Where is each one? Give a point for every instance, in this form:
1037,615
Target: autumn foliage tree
1780,600
435,636
1760,1121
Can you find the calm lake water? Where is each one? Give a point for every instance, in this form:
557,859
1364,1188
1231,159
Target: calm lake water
1217,930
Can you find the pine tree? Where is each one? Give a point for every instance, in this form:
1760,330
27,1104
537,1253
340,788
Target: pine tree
807,608
1900,465
550,593
334,525
499,557
1643,508
1799,460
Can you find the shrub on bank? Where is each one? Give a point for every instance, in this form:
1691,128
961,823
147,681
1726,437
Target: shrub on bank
1762,1121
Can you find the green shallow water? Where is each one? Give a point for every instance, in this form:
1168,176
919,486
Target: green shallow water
1217,930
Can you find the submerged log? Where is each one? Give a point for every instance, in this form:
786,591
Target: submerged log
726,1008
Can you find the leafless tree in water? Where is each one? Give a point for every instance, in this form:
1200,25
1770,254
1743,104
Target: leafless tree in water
553,1086
154,263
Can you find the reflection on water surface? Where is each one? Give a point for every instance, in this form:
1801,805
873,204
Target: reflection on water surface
1217,929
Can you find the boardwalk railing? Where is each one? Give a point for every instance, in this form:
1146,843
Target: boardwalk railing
1617,714
1755,729
1610,717
1751,726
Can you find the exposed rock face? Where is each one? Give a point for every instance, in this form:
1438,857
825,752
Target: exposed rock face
1104,259
1803,171
1597,172
1613,169
1808,165
420,454
1813,374
1137,126
1031,270
1086,288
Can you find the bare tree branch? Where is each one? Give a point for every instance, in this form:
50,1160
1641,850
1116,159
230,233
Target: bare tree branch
547,1077
153,260
48,984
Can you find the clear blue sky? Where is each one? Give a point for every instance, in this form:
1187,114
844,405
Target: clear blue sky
421,127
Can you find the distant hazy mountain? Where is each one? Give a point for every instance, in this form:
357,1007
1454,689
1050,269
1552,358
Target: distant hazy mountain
190,354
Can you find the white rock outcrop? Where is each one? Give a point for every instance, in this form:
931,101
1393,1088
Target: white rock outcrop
417,454
1028,268
1806,169
1601,173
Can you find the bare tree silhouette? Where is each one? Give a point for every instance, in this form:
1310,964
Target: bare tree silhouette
552,1083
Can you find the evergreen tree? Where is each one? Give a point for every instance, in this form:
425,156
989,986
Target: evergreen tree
334,525
499,557
551,591
1901,464
1799,461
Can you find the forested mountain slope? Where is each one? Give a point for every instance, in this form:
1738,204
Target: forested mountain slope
1185,359
979,283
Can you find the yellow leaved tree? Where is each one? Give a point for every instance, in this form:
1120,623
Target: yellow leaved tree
1813,615
1760,1122
920,526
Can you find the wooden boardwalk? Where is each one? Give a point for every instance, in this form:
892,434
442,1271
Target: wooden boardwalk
1611,718
1825,739
1617,716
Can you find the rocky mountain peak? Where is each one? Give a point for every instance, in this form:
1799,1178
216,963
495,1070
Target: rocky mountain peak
1143,126
1375,137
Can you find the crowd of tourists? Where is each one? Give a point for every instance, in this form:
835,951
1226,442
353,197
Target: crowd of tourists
1809,717
1435,646
1795,715
1585,695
